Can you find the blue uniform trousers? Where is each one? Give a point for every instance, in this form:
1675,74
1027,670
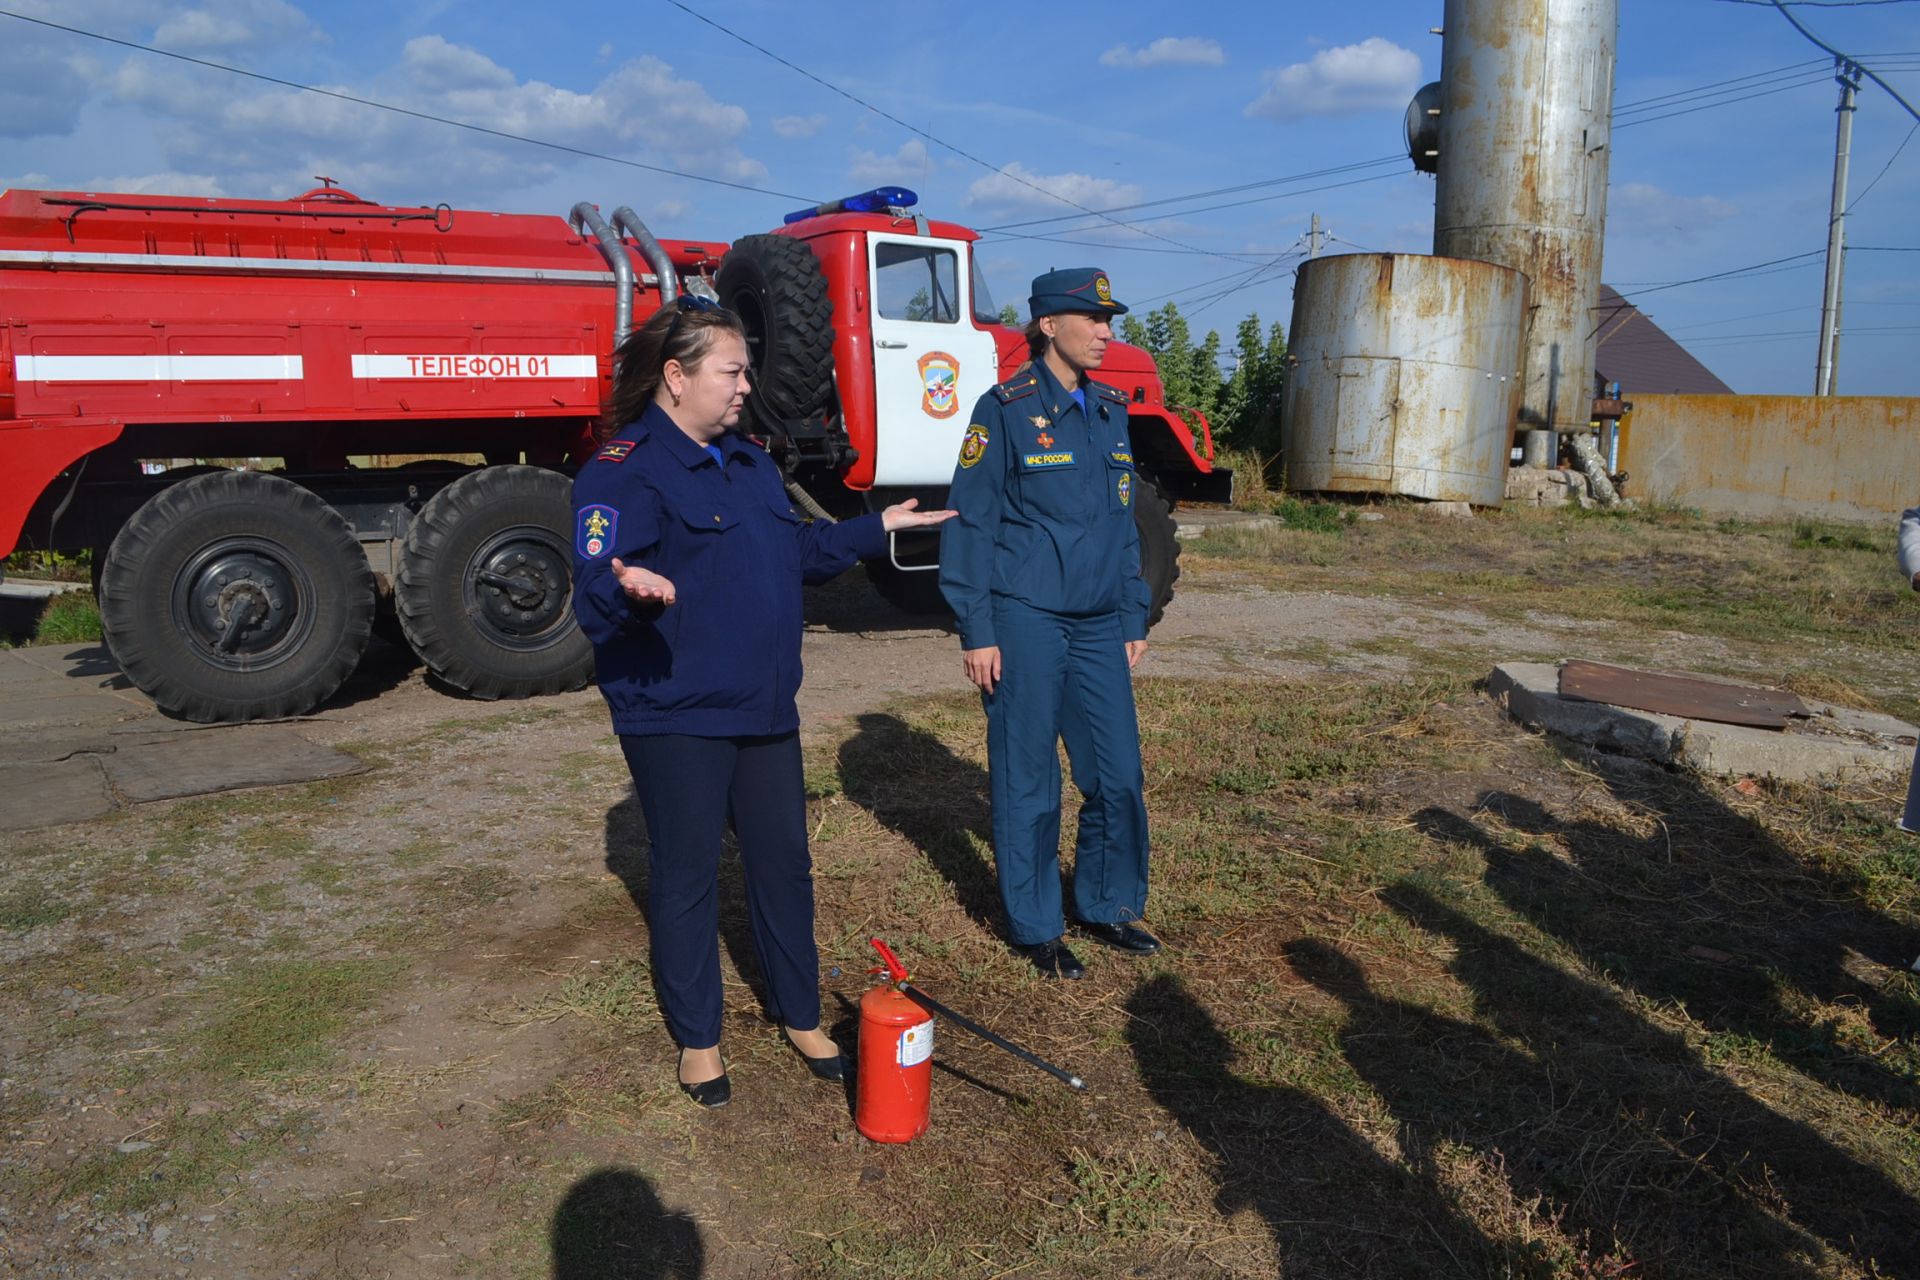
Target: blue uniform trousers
1064,678
690,788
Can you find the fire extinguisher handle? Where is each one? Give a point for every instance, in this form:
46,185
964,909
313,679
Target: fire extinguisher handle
895,970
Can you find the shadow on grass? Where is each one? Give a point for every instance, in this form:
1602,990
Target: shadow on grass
611,1226
1711,913
1335,1206
1618,1166
911,782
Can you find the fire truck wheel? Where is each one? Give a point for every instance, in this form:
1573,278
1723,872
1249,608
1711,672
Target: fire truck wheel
236,596
775,285
1159,548
485,587
908,590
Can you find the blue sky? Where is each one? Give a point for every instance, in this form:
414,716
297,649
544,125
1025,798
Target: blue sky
1110,105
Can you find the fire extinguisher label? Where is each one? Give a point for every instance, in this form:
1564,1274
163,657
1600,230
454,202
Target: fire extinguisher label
916,1045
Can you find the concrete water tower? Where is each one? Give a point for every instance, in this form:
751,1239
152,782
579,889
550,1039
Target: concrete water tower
1525,118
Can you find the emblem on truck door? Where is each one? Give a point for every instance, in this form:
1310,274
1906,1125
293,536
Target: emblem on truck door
940,375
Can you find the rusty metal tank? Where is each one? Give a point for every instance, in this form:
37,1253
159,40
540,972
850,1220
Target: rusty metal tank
1407,378
1526,110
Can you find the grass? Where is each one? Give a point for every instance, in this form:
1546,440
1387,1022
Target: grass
72,617
1801,601
276,1017
1439,997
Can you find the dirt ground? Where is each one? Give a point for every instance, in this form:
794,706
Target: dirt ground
393,1024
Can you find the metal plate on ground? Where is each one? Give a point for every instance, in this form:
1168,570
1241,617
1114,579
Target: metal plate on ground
1688,697
201,761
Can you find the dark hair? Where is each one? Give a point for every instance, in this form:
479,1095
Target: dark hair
1037,341
683,332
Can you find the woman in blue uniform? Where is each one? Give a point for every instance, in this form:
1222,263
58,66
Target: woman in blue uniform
688,564
1042,568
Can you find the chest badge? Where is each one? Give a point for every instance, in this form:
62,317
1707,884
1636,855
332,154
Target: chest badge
1046,440
1039,420
1126,489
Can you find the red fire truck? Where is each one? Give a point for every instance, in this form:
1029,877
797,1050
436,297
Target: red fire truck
282,424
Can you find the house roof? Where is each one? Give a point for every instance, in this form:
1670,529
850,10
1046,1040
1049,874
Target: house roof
1640,356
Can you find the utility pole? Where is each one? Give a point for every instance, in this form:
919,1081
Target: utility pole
1848,76
1313,238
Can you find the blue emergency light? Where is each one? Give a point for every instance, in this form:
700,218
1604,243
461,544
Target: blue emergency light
878,200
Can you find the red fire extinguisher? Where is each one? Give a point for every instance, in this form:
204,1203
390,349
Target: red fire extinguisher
893,1088
894,1081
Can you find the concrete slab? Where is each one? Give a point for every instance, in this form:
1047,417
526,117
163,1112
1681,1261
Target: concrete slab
77,740
1191,522
45,793
1836,743
168,766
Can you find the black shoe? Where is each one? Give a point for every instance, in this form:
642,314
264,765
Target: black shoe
717,1092
1131,939
831,1067
1052,959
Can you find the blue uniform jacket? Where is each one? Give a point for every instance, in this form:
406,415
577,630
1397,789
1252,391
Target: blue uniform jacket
1045,493
724,659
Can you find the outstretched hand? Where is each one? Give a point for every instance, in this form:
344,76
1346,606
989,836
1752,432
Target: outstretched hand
643,585
902,515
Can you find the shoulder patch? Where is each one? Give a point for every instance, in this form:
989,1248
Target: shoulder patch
1016,388
614,451
594,527
973,446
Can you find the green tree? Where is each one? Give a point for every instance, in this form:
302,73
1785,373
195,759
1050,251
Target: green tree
1010,316
1190,374
1250,404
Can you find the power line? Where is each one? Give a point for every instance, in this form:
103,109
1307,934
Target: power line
1866,71
404,111
1768,75
1205,195
1883,168
1722,275
1821,4
914,129
1235,204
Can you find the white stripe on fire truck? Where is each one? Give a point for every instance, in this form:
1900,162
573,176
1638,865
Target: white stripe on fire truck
487,365
162,368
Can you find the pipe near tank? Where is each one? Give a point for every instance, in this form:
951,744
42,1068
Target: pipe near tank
584,218
1525,129
629,223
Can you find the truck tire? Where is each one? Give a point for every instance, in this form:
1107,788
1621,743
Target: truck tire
775,285
486,582
1159,548
236,596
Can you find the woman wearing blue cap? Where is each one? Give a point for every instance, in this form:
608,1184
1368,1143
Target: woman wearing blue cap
688,562
1042,568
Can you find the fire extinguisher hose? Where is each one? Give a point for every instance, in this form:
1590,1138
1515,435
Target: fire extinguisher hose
927,1002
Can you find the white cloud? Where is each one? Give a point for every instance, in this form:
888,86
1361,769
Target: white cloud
1643,207
234,24
904,165
1167,51
439,66
163,184
267,142
1372,75
1013,188
798,126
